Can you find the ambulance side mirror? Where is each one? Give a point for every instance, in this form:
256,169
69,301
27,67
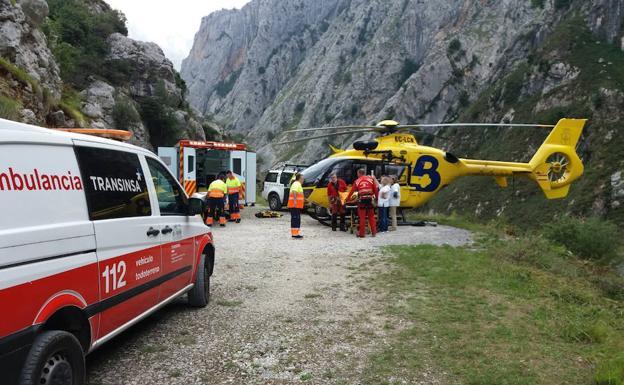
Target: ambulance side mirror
195,206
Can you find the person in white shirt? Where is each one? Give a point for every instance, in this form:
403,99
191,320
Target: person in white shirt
395,201
383,203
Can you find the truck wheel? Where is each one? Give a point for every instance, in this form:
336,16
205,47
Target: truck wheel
199,296
55,358
274,202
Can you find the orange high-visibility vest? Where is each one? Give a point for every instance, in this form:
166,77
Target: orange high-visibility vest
233,185
296,198
217,189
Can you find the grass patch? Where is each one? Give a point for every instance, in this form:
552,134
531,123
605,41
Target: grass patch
9,108
20,75
71,104
227,303
507,310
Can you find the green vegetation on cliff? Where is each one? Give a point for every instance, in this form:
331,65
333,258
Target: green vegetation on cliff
77,36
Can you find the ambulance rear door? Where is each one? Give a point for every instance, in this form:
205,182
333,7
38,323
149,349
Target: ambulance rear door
250,178
190,170
238,167
238,163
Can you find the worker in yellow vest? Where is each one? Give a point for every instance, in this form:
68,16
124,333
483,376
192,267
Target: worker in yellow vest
216,195
295,204
234,189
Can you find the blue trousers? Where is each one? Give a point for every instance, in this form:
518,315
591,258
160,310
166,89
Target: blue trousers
383,218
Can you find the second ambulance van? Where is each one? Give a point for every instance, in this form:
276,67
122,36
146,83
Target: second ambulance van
95,235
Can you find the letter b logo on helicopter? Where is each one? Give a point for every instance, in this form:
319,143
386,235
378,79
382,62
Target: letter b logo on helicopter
427,166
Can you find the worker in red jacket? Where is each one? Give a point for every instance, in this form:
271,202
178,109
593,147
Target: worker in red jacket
334,188
366,187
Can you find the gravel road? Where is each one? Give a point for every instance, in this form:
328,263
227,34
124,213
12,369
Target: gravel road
282,311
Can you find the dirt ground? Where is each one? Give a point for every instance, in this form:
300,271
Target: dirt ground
282,311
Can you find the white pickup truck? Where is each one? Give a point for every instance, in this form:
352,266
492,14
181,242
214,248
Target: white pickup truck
277,185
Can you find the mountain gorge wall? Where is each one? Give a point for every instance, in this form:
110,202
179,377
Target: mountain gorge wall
283,64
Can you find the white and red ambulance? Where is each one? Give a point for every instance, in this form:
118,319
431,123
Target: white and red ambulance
95,235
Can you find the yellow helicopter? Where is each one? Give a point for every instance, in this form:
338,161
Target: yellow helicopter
423,171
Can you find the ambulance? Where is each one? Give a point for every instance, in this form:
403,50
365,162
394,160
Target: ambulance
198,163
95,235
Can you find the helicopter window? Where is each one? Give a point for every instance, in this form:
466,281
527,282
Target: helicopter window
343,169
398,170
271,177
314,173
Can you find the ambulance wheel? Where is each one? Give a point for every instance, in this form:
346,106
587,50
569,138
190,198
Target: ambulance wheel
274,202
199,296
55,358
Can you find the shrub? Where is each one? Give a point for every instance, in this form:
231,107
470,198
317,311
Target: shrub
454,46
163,128
225,86
611,286
210,132
594,238
125,115
9,108
464,99
537,3
408,69
597,100
300,107
560,4
77,37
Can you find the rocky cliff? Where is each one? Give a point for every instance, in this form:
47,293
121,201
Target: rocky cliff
278,64
68,63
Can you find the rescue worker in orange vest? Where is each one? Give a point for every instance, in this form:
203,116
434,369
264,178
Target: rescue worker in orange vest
295,204
234,189
366,187
216,195
334,188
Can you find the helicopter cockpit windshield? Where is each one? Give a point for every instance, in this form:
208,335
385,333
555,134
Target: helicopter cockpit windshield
318,175
313,174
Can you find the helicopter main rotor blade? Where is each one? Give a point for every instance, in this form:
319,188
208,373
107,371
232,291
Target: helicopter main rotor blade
475,125
324,136
334,128
418,132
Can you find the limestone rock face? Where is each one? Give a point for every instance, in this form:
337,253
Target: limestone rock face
99,101
282,64
24,45
148,65
285,63
35,10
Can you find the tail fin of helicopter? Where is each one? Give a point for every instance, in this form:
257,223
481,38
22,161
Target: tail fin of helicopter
556,164
335,150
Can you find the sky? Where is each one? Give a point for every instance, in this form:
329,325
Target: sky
171,27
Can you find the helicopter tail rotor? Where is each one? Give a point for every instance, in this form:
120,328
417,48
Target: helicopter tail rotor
556,164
